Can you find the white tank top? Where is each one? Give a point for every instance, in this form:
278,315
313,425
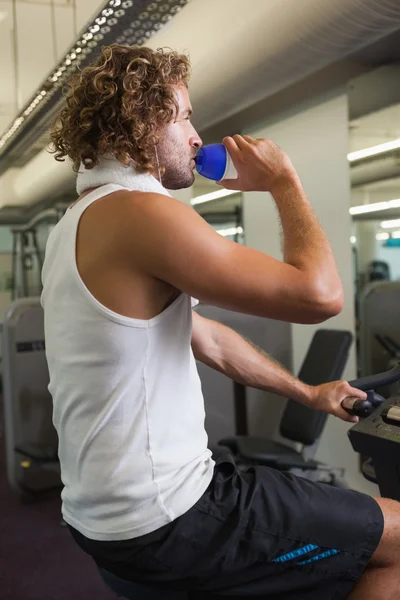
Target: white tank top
127,401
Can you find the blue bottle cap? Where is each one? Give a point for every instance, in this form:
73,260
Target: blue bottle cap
211,161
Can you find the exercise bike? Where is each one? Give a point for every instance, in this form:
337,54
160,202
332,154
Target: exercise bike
376,435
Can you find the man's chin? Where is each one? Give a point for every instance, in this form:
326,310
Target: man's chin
181,184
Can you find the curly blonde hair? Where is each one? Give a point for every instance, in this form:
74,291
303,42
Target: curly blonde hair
117,104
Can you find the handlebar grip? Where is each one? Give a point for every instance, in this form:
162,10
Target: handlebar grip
362,408
375,381
357,407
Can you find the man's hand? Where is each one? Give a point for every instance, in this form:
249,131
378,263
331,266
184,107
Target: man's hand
261,165
328,398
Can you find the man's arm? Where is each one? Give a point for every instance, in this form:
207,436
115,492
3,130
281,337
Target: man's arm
224,350
176,245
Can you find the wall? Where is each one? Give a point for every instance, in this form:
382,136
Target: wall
184,195
316,138
366,243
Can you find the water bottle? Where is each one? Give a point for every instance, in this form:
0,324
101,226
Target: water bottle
213,161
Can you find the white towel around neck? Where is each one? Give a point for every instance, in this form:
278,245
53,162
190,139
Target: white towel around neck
111,170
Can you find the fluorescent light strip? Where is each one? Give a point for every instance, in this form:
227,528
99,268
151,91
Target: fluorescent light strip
212,196
389,224
382,236
230,231
374,150
375,207
354,210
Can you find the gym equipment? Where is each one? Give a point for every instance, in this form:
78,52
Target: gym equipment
378,270
27,255
325,361
377,434
392,349
379,307
31,440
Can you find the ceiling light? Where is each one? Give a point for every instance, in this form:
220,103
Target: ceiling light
373,150
230,231
353,239
212,196
374,207
382,236
389,224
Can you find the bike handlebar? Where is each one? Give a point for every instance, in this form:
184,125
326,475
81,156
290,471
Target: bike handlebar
371,382
363,408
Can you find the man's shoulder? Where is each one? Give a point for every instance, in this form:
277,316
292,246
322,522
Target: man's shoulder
151,208
137,220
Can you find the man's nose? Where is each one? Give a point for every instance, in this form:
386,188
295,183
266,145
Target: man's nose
196,142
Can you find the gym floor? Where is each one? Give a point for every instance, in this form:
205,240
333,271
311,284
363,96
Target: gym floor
38,558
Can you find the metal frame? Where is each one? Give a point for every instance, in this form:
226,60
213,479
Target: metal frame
21,235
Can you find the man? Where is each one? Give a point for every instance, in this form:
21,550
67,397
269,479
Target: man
143,494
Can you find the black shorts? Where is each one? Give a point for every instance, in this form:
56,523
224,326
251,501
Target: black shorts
255,532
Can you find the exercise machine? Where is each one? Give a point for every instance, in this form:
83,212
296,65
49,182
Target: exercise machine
378,270
379,308
392,349
377,435
31,439
325,361
28,251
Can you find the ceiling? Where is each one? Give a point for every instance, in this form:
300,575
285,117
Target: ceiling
373,129
376,128
40,42
267,48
